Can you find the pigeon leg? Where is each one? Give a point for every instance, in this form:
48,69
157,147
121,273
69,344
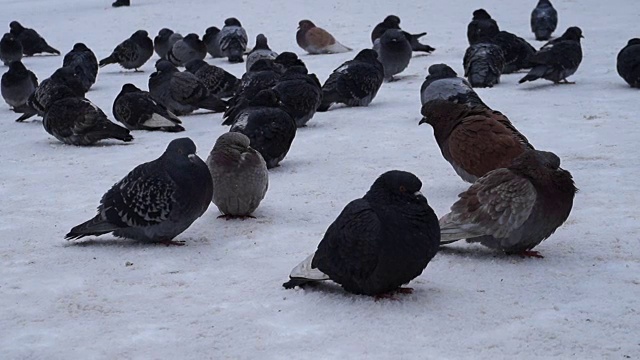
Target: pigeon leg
530,254
242,217
565,81
172,242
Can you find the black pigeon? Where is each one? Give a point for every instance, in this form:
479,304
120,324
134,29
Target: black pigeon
443,83
516,50
161,43
32,42
157,200
628,63
393,22
10,49
211,38
131,53
286,60
394,52
300,94
557,59
137,110
260,51
17,85
187,49
378,242
481,27
544,20
354,83
218,81
85,64
233,40
483,64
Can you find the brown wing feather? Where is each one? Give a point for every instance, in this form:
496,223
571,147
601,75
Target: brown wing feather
319,37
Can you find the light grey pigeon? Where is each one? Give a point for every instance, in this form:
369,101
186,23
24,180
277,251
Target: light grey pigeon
260,51
233,40
157,200
131,53
443,83
187,49
240,176
394,52
211,38
18,83
10,49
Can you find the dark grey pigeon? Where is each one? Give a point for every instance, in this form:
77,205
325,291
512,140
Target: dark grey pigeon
85,64
32,42
443,83
218,81
513,209
137,110
300,94
17,85
628,63
354,83
393,22
394,52
516,51
286,60
378,242
162,44
233,40
188,49
131,53
481,27
211,38
10,49
156,201
544,20
483,64
557,59
260,51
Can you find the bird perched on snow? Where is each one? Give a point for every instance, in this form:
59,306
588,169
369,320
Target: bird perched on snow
131,53
516,51
394,52
187,49
156,201
544,20
628,63
10,49
443,83
513,209
557,59
483,64
481,27
218,81
85,64
315,40
260,51
355,82
473,140
240,176
17,84
393,22
137,110
378,242
300,94
164,41
32,43
212,39
233,40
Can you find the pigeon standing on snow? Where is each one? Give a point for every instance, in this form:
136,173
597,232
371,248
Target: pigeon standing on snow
481,27
354,83
32,42
157,200
260,51
162,42
557,59
187,49
393,22
18,83
137,110
211,38
239,173
628,63
513,209
544,20
394,52
300,94
131,53
218,81
233,40
378,243
483,64
516,51
85,64
315,40
10,49
443,83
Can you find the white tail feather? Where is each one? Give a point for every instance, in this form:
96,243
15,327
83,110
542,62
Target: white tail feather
158,120
304,270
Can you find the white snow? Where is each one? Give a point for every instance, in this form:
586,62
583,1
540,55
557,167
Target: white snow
220,296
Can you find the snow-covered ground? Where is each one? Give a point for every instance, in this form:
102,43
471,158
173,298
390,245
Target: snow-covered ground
221,295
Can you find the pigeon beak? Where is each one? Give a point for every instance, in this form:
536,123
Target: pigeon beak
582,36
193,157
423,121
418,194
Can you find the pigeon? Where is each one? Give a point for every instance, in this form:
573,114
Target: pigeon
10,49
516,51
300,94
481,27
378,242
156,201
233,40
270,129
393,22
17,85
394,52
483,64
131,53
187,49
240,176
212,39
315,40
355,82
162,43
628,63
137,110
218,81
557,59
32,42
544,20
473,140
85,64
260,51
513,209
286,60
443,83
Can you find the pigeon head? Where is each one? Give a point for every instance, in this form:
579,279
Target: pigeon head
165,65
481,14
573,33
441,71
288,59
192,38
442,115
393,36
305,25
182,150
396,185
212,30
80,47
17,67
367,55
129,88
194,65
392,21
232,142
544,2
140,34
165,33
634,41
16,27
261,42
232,22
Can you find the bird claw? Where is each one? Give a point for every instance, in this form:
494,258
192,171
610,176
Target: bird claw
530,254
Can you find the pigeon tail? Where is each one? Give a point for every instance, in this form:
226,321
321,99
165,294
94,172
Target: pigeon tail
543,34
213,103
337,48
108,60
304,273
29,112
536,73
111,131
51,50
95,226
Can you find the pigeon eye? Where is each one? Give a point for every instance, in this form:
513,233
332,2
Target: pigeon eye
403,189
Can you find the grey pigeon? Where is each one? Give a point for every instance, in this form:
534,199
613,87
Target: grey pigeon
211,38
10,49
393,22
187,49
513,209
443,83
544,20
394,52
17,85
131,53
260,51
300,94
32,42
164,41
137,110
628,63
557,59
218,81
516,51
156,201
233,40
240,176
85,64
354,83
481,27
483,64
378,242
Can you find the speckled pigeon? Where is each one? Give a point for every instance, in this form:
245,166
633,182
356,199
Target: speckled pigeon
557,59
218,81
85,64
137,110
483,64
233,40
32,42
131,53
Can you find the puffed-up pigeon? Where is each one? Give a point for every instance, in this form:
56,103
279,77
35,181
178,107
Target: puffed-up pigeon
394,52
260,51
131,53
233,40
315,40
483,64
443,83
628,63
481,27
84,63
10,49
137,110
544,20
218,81
17,85
211,38
187,49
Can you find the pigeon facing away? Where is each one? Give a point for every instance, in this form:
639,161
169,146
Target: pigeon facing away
218,81
393,22
187,49
443,83
233,40
483,64
131,53
260,51
378,242
481,27
354,83
18,83
157,200
394,52
628,63
300,94
473,140
239,173
10,49
513,209
544,20
557,59
315,40
212,39
85,64
32,42
137,110
516,51
162,42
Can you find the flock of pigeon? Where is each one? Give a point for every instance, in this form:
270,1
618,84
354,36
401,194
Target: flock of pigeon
519,195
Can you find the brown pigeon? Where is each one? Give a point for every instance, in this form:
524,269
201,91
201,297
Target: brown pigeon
315,40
